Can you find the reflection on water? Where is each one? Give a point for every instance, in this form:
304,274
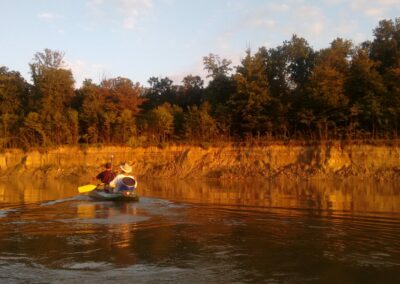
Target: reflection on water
29,191
348,195
249,231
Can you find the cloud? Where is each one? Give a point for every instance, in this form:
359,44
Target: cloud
287,17
195,69
334,2
95,2
95,6
169,2
82,70
223,41
373,9
309,21
262,23
48,16
317,27
364,3
132,10
128,11
374,12
278,7
385,2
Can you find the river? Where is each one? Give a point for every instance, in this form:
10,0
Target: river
202,232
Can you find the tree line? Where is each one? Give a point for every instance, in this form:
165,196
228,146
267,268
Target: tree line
292,91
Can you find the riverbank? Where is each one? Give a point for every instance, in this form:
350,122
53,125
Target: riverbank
322,160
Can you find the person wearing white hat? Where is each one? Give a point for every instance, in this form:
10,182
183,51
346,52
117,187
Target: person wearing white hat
124,180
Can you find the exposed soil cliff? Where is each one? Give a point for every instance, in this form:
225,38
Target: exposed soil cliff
291,161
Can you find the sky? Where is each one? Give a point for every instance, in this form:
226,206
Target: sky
138,39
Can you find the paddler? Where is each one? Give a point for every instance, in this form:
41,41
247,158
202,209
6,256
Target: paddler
124,180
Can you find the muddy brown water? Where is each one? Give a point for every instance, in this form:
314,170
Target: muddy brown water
202,232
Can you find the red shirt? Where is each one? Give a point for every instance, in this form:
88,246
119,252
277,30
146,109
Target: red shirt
106,176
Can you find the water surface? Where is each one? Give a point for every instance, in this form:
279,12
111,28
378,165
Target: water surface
203,231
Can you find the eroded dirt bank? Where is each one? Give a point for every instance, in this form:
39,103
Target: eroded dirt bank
315,161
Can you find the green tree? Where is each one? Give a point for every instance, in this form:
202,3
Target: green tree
125,126
392,100
199,125
161,91
73,129
91,111
216,66
252,97
301,61
326,87
220,87
288,66
288,70
366,90
385,48
385,51
33,132
53,92
161,122
219,91
191,92
13,95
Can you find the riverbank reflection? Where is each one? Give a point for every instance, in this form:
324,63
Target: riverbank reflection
20,190
344,195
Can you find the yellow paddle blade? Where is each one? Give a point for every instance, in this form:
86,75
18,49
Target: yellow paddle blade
86,188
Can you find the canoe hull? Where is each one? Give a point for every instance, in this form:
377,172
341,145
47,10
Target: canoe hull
129,196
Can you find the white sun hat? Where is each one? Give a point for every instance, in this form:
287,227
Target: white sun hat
126,168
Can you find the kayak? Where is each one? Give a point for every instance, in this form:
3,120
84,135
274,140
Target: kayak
125,195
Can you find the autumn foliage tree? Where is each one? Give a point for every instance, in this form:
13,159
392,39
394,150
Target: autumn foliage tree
343,91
